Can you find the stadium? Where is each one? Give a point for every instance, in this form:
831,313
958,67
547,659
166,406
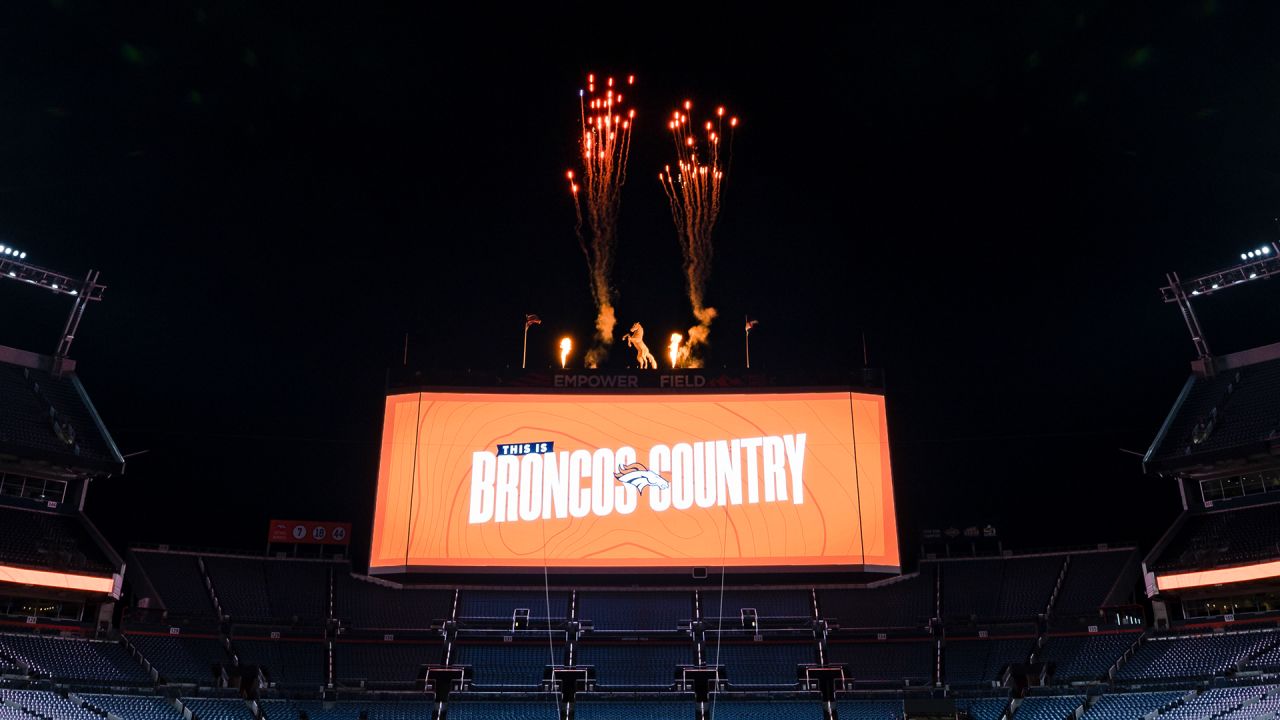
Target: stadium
934,453
805,613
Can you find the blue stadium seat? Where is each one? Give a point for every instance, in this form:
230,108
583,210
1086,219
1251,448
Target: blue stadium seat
760,664
904,602
851,709
591,707
218,708
1129,705
502,665
383,661
634,664
1192,656
74,659
178,581
287,662
724,708
462,708
640,610
1047,708
134,707
884,661
1085,657
182,659
365,604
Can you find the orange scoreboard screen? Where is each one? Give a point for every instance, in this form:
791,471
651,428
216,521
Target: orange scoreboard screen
476,481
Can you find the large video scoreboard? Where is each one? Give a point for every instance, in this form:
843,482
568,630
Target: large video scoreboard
647,479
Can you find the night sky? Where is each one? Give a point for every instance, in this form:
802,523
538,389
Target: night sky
992,192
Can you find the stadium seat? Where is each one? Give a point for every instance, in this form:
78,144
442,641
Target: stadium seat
1223,537
218,708
287,661
241,586
500,605
794,604
982,708
277,709
979,661
49,540
45,704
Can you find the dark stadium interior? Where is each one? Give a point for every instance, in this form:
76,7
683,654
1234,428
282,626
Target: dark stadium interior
966,215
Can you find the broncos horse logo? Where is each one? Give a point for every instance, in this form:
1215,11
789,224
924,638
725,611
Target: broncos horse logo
640,477
635,339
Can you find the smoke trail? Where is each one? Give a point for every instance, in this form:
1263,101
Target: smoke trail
605,143
694,192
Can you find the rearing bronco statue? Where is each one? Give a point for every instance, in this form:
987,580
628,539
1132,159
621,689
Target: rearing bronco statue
635,339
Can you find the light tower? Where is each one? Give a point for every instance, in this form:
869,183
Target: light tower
14,266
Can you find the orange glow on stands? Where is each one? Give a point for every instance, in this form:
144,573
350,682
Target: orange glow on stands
65,581
565,346
673,349
1220,576
487,481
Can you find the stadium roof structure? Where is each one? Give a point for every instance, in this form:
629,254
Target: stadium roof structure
1227,417
48,425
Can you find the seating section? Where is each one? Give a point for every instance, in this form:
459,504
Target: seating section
767,603
847,709
286,661
501,605
74,659
218,708
1085,657
48,704
983,708
1216,701
241,587
516,665
383,661
1224,538
275,709
461,708
588,707
760,663
884,661
723,708
365,604
634,664
1177,657
981,661
1267,706
49,540
1266,660
1009,588
660,611
298,589
1090,576
1128,706
1047,708
134,707
178,581
182,659
908,602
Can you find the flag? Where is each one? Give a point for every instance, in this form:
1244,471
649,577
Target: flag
751,323
531,320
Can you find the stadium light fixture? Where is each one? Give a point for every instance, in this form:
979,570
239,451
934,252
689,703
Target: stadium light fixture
1257,264
82,291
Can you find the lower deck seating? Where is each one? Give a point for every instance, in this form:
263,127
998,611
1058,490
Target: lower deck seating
285,662
882,661
588,707
47,704
462,708
346,710
1217,701
383,661
1200,655
722,708
983,708
513,665
1128,706
635,664
848,709
74,659
218,708
1048,708
134,707
182,659
1085,657
767,664
980,661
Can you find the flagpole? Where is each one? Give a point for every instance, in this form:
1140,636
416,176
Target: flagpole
524,352
747,323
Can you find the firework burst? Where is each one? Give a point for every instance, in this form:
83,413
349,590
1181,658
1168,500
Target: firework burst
604,145
693,188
